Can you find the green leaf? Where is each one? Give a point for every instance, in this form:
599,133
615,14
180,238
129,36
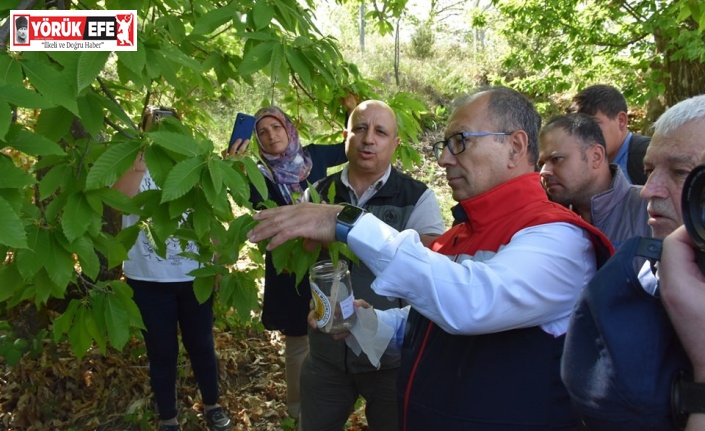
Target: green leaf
117,200
134,60
256,58
299,64
117,322
207,23
54,178
176,142
54,123
182,178
262,14
202,215
91,113
51,83
235,181
90,63
10,281
62,324
90,265
12,176
46,288
111,164
5,119
33,143
12,231
57,260
77,216
239,290
203,288
28,260
24,97
112,249
78,336
255,176
10,70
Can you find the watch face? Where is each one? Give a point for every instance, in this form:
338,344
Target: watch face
349,214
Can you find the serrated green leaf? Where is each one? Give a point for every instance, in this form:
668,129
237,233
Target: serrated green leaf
202,215
12,176
255,176
54,178
299,64
52,84
262,14
91,113
58,261
208,188
10,70
12,231
91,326
182,178
77,216
90,63
117,200
20,96
78,336
235,181
176,142
116,111
256,58
30,260
203,288
46,288
112,249
239,290
62,324
215,174
90,265
5,119
134,60
207,23
111,164
10,281
33,143
124,294
117,322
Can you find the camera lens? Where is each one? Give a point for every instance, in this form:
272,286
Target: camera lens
693,208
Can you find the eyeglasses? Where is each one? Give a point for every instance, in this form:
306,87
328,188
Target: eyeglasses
456,142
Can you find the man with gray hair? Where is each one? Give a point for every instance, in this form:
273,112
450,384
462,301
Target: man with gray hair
490,301
594,367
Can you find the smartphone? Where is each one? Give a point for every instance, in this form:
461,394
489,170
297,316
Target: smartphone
160,113
242,129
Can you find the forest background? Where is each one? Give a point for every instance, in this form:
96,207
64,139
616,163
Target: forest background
68,130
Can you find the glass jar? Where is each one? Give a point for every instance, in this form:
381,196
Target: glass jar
332,294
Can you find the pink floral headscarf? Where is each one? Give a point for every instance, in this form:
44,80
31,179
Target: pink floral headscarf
292,166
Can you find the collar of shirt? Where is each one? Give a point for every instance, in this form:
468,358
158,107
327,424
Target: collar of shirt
371,190
623,155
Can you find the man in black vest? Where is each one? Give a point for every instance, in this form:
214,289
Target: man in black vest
332,376
608,107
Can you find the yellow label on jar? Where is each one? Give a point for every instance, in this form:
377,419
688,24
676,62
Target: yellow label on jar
322,308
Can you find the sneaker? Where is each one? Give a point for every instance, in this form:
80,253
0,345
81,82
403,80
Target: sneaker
169,427
217,420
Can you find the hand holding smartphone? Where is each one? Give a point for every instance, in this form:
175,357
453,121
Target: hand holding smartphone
242,130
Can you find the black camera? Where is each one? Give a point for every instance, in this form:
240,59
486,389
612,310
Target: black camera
693,208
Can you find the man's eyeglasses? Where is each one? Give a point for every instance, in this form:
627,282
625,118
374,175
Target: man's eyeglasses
456,142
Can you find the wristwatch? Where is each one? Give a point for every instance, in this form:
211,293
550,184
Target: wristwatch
686,397
345,220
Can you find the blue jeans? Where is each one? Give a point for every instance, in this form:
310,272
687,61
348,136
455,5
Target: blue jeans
164,306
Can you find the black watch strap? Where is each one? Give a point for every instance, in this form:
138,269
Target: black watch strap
692,396
686,397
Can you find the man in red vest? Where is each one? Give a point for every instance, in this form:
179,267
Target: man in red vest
490,301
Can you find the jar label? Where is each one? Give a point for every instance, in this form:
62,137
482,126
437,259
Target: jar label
346,306
322,308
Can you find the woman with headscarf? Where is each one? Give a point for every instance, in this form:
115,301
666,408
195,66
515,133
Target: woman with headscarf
288,168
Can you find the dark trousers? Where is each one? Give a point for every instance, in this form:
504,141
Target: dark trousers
164,306
328,396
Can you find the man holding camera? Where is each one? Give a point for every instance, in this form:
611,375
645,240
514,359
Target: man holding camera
595,348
